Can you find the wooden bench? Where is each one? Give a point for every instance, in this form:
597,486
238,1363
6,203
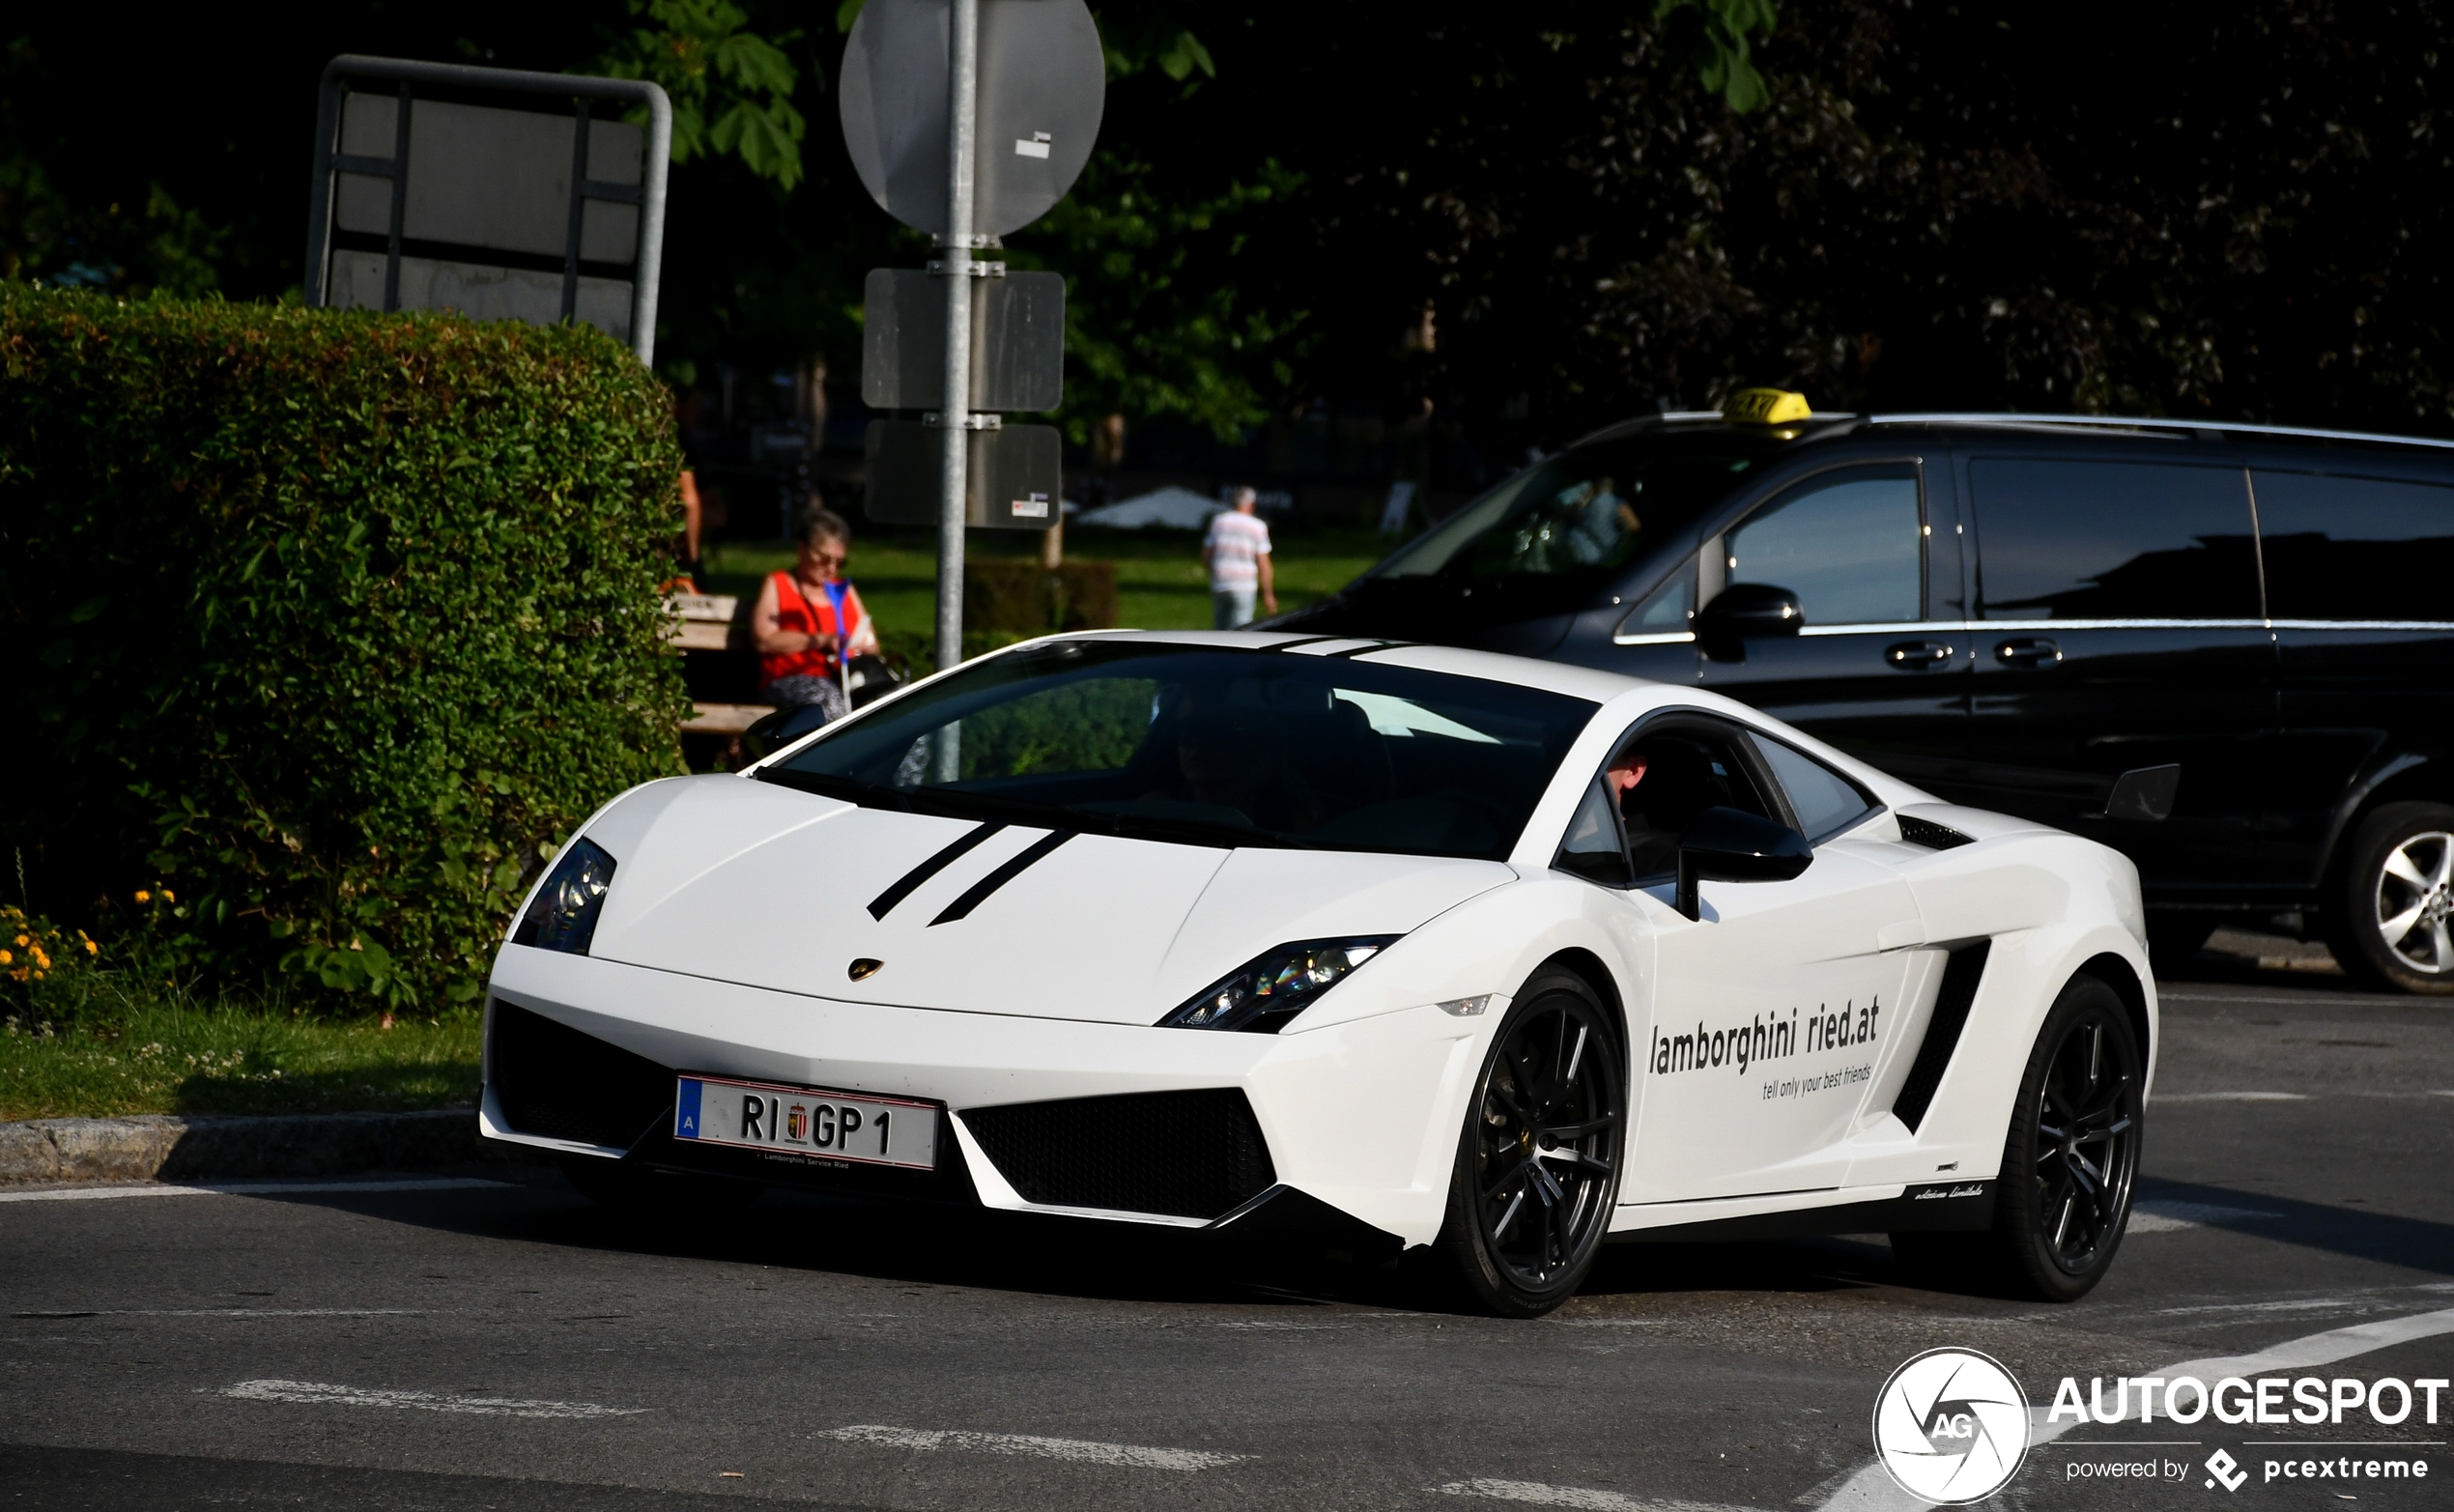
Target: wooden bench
713,625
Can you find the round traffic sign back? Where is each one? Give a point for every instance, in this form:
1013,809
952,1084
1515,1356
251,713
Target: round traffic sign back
1042,86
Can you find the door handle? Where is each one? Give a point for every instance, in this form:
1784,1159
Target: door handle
1918,655
2030,653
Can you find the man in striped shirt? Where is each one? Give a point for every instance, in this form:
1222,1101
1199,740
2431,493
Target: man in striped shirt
1237,553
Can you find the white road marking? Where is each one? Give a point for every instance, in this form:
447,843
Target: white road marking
2164,1215
1873,1489
2301,1304
1536,1494
245,1189
318,1393
1131,1456
2230,1096
1613,1323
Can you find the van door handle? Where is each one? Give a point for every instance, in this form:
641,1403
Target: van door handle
2030,653
1918,655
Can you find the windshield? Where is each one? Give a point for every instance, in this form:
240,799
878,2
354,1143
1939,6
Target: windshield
1209,746
1589,509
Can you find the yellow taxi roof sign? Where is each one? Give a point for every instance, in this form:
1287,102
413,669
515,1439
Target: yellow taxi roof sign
1766,406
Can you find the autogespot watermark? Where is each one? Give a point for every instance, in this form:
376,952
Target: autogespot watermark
2337,1403
1950,1426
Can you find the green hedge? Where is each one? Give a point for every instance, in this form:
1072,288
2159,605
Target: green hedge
331,620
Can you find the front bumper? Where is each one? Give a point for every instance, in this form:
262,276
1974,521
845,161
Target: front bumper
1362,1117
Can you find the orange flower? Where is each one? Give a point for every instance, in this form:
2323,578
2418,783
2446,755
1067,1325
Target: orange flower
144,896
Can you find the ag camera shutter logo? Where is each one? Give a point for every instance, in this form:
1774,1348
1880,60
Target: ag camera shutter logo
1951,1427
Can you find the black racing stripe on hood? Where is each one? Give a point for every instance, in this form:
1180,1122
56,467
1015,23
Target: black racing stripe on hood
982,889
884,904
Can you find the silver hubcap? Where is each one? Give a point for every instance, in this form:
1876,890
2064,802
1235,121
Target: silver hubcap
2415,894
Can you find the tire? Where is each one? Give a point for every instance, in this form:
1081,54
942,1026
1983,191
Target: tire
1537,1172
2392,926
2070,1162
644,1191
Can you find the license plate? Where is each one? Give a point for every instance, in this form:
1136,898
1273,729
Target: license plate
807,1121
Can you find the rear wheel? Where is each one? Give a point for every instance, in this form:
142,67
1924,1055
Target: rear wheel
644,1191
2391,921
2069,1161
1537,1171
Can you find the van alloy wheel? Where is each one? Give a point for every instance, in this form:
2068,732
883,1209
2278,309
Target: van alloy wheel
2393,923
2413,894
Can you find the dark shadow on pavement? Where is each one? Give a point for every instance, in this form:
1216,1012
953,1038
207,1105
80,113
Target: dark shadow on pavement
2416,1243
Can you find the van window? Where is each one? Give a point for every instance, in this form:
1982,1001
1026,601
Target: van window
2356,548
1850,544
2113,540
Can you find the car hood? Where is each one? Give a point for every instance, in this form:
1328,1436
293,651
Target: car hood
769,886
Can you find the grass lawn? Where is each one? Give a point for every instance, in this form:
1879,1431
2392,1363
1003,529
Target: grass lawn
177,1056
1158,573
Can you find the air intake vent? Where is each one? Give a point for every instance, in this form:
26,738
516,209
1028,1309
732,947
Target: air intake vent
1194,1155
554,1082
1961,975
1930,835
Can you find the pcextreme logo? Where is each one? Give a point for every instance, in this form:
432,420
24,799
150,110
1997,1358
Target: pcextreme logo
2222,1466
1950,1426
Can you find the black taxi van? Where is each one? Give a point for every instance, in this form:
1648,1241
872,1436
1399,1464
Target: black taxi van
2226,651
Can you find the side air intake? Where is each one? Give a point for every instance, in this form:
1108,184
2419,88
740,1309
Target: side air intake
554,1082
1960,977
1930,835
1192,1154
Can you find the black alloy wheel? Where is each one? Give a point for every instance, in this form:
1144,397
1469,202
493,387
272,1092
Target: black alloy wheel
1537,1171
2068,1163
2393,921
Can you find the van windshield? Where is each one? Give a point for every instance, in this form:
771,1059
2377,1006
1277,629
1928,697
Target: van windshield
1587,510
1208,745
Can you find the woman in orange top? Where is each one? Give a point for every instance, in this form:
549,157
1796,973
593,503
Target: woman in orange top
808,620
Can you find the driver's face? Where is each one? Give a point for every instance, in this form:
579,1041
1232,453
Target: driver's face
1626,773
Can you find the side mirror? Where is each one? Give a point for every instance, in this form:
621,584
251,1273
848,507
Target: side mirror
1733,845
1744,610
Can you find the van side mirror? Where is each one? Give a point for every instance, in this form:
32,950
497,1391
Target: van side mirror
1733,845
1744,610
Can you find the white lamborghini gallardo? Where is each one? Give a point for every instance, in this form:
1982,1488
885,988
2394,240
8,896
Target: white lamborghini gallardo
1344,943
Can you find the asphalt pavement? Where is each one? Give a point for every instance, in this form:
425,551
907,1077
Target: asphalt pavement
491,1340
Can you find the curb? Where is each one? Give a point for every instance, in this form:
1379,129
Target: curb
154,1147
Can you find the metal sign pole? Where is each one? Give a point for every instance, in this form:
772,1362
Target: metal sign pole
962,79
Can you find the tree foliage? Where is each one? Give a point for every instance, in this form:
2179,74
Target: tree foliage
732,88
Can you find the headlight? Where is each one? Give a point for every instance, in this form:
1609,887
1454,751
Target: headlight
1269,990
564,915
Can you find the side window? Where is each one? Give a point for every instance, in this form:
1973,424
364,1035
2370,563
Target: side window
1850,544
1825,802
2352,548
2113,540
1669,609
1666,777
1595,849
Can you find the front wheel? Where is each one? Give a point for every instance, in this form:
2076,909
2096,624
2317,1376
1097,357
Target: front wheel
2069,1161
1537,1172
2394,918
